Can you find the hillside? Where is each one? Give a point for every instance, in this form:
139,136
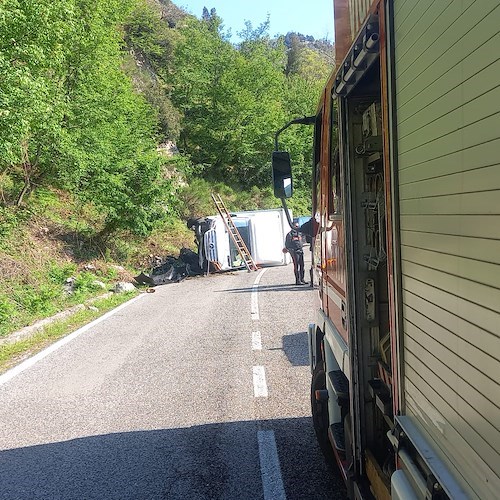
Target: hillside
94,100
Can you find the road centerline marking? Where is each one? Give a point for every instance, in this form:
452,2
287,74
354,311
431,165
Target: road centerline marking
270,470
256,341
254,301
259,382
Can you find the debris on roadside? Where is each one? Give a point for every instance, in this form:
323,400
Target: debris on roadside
171,269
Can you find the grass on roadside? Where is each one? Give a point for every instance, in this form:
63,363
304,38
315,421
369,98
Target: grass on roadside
52,257
13,354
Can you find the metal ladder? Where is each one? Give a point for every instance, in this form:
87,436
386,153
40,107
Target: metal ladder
235,234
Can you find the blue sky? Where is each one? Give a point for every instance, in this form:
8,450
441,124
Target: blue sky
309,17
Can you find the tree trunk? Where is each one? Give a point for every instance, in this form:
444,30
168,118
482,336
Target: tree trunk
24,191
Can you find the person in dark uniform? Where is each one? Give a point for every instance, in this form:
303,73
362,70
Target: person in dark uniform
293,243
309,229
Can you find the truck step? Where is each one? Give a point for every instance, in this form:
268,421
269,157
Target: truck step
381,393
340,384
384,404
337,436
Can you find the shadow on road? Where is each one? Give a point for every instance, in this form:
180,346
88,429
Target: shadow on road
213,461
296,348
271,288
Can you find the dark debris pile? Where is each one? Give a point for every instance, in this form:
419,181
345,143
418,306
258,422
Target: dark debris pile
172,269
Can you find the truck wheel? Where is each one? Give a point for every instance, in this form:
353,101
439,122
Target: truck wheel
319,410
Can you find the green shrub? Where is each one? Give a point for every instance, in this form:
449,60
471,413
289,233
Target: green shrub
7,310
44,198
37,300
111,273
85,283
59,273
9,220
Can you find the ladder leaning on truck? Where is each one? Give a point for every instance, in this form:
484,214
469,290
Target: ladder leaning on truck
405,347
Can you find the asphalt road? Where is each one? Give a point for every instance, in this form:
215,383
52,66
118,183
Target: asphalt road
197,391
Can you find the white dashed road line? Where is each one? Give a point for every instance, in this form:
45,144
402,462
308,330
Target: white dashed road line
270,470
256,341
259,382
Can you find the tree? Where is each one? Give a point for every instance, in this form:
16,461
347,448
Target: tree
294,53
212,20
69,117
230,100
34,36
150,42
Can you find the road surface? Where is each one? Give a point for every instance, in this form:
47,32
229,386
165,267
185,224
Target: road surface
197,391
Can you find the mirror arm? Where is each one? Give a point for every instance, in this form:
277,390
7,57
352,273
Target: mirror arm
305,120
287,213
277,134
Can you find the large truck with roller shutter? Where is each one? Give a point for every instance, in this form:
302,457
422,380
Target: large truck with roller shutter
405,345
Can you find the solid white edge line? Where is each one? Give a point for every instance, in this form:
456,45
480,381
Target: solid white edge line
259,276
270,470
56,345
256,341
254,301
259,382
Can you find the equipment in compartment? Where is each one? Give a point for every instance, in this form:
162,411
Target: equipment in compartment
371,145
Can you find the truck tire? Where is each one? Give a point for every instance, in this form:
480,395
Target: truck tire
319,410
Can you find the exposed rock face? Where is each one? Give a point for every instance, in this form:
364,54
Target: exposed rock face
168,149
169,12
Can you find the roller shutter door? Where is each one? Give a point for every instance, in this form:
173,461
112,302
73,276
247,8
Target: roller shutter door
447,84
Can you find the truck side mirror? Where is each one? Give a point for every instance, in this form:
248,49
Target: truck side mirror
282,174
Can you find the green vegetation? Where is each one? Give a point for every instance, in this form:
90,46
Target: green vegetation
13,353
94,95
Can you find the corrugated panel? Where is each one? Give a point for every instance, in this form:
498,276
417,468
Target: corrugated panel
358,10
462,231
424,407
447,68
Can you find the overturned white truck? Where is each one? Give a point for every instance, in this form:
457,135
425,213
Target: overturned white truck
263,232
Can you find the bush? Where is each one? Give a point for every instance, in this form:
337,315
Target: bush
10,219
196,199
110,273
85,283
37,300
59,273
7,310
44,198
